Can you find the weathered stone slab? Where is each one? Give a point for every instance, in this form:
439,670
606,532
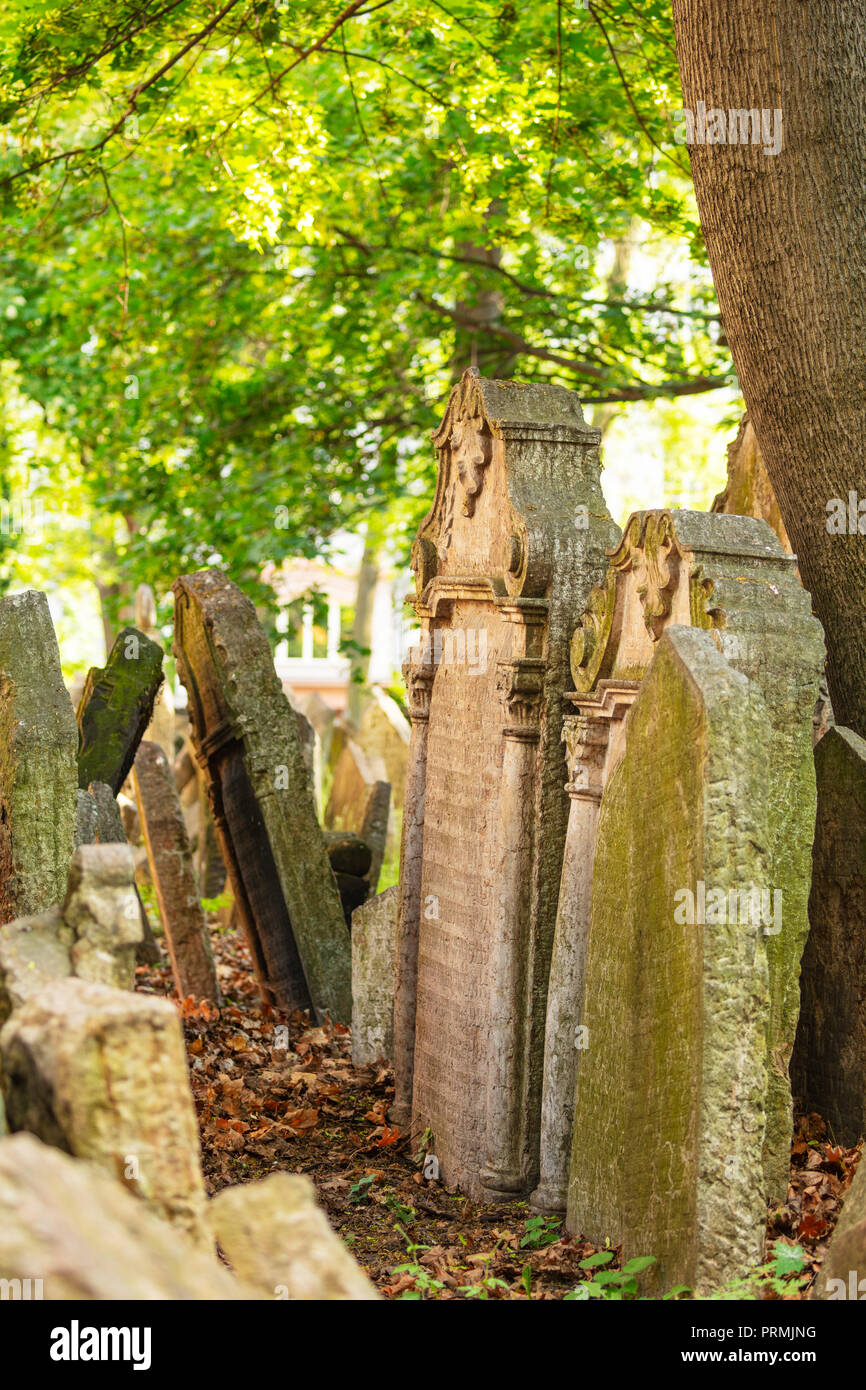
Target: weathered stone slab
161,727
828,1069
730,576
85,818
385,733
116,708
278,1240
748,491
32,950
102,908
357,778
375,829
669,1120
102,1074
94,936
110,831
843,1273
74,1232
374,937
503,563
174,878
246,739
37,761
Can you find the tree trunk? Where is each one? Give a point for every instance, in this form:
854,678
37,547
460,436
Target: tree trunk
786,235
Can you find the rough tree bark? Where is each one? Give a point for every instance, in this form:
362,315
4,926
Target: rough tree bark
786,236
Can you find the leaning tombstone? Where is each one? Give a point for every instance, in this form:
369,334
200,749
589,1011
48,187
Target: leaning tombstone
828,1069
374,932
116,708
503,564
102,908
246,739
161,727
174,878
37,760
669,1120
731,576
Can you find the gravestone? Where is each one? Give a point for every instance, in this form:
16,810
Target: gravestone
110,831
374,830
374,933
384,733
503,565
161,727
86,815
730,576
102,908
669,1119
93,935
116,709
246,739
37,761
355,777
102,1073
828,1068
174,878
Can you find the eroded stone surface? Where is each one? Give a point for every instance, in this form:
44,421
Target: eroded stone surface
246,738
116,707
374,936
503,563
101,1073
174,877
102,908
672,1059
38,740
278,1240
828,1068
69,1225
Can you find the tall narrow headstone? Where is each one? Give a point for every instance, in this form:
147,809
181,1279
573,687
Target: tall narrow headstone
173,874
730,576
374,930
38,778
828,1068
246,739
503,565
116,708
669,1122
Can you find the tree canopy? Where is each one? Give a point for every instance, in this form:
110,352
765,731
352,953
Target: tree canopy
249,246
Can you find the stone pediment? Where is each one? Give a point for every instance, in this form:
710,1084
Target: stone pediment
516,462
727,574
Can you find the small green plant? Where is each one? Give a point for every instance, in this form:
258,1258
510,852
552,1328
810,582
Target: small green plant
407,1215
360,1191
216,904
777,1278
611,1285
426,1284
540,1232
486,1285
526,1280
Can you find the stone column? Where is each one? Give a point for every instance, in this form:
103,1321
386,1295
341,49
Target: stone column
520,686
586,742
592,738
418,675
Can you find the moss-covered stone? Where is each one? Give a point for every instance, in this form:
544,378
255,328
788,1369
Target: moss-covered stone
116,707
37,761
669,1120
